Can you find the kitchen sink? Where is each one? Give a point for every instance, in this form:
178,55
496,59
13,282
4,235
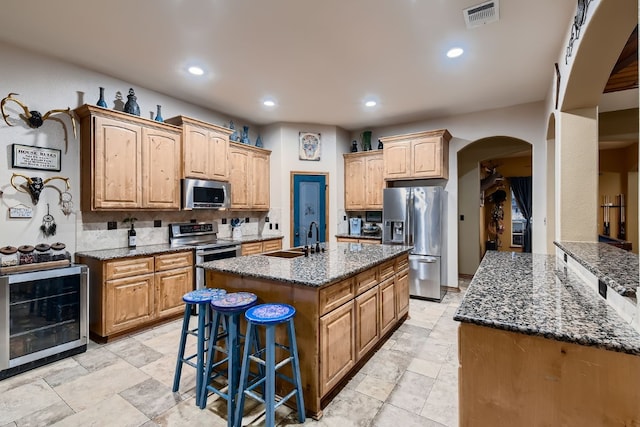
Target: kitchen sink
293,253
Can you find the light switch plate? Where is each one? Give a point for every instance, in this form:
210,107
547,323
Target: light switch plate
112,225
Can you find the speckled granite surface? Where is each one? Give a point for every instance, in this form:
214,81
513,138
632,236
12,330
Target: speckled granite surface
531,294
362,236
107,254
614,266
340,260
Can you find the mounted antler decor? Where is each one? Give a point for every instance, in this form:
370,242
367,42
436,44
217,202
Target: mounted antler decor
35,119
35,185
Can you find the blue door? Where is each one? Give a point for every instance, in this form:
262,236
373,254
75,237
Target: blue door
309,204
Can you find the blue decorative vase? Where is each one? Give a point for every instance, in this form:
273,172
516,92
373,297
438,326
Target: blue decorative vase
159,115
245,135
101,102
234,135
259,142
132,106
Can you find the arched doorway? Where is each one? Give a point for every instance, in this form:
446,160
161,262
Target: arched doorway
514,156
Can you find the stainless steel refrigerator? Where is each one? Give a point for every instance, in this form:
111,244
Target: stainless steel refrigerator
414,216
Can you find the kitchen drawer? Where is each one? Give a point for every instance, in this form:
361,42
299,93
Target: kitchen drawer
333,296
271,245
366,280
251,248
129,267
174,260
402,263
386,269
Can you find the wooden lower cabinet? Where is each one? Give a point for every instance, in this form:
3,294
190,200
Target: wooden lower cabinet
402,292
128,303
367,308
356,240
337,345
388,306
130,293
253,248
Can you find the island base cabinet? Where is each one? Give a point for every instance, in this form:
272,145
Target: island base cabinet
337,346
512,379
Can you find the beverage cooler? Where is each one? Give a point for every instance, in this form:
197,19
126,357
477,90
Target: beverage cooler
44,317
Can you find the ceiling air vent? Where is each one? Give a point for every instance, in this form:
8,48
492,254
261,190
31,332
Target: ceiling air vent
481,14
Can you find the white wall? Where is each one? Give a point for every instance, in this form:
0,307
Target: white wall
43,84
282,139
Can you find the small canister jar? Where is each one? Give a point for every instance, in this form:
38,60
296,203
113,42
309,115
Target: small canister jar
58,252
26,255
8,256
43,252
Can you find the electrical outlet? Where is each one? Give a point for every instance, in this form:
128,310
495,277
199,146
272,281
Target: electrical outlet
276,225
224,221
344,218
112,225
193,221
461,217
246,220
157,223
270,226
266,219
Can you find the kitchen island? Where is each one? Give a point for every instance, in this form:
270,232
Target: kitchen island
348,301
538,346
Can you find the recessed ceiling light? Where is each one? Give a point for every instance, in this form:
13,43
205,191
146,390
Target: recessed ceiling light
370,104
195,70
455,52
269,103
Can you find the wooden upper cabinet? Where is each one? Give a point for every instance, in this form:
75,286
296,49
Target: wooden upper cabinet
127,162
205,148
249,176
363,180
160,170
417,155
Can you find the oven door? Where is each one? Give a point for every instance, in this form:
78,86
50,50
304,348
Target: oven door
212,254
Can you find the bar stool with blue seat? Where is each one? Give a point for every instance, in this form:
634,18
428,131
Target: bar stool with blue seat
270,316
200,299
228,308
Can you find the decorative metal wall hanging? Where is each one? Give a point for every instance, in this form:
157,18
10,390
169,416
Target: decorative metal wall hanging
35,185
578,22
35,119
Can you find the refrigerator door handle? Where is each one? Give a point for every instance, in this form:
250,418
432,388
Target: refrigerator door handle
427,261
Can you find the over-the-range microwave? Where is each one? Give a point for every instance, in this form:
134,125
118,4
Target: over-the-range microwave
205,194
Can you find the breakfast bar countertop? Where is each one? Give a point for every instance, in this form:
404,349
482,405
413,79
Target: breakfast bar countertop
614,266
340,260
531,294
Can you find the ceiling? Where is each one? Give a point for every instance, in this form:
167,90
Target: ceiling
319,60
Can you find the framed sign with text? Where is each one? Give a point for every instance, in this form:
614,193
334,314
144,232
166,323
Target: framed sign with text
28,157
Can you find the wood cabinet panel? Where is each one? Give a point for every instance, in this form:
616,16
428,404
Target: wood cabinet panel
171,285
260,181
363,180
366,280
271,245
205,149
173,260
116,164
367,321
374,183
128,267
402,292
388,309
356,240
249,177
387,269
251,248
129,303
417,155
239,177
334,295
160,170
337,346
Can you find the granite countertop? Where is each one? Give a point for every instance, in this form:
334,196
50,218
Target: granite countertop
614,266
361,236
531,294
140,250
340,260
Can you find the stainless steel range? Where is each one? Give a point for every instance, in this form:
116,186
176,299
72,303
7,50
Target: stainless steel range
204,236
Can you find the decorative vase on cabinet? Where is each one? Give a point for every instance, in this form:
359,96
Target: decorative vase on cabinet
101,102
132,106
245,135
259,142
234,135
159,115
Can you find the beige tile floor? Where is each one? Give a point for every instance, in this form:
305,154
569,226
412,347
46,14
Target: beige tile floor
411,381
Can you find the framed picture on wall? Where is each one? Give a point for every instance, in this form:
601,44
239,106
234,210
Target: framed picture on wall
309,146
30,157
